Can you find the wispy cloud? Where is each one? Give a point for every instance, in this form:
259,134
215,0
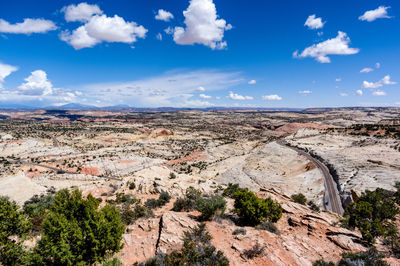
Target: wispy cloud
28,26
169,89
272,97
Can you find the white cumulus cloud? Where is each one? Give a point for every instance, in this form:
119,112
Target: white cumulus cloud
29,26
379,93
81,12
338,79
252,82
359,92
371,15
235,96
5,71
164,15
272,97
335,46
374,85
314,23
36,84
101,28
203,26
378,65
305,92
200,89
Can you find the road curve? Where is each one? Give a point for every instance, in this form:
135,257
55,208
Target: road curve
332,200
55,142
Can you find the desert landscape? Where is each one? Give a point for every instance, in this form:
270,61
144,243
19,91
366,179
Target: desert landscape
199,133
329,156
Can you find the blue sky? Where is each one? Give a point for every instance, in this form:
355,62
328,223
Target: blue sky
200,53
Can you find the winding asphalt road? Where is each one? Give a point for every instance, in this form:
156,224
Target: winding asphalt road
332,200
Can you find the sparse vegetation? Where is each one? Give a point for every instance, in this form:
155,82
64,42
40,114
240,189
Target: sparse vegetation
197,250
189,202
369,258
321,262
256,251
230,190
172,175
211,206
299,198
132,185
267,225
163,199
253,210
313,206
239,231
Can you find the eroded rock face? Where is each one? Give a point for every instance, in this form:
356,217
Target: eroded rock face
305,236
140,241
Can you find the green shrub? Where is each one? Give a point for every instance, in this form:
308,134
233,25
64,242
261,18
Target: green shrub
299,198
12,223
369,258
196,250
189,202
75,231
371,213
172,175
239,231
179,205
36,208
132,185
112,262
230,190
321,262
397,194
253,210
313,206
127,216
125,198
253,252
267,225
211,206
163,199
392,239
142,211
151,203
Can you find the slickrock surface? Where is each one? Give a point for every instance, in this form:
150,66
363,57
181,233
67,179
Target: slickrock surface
361,162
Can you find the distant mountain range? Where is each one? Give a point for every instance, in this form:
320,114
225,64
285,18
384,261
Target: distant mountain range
122,107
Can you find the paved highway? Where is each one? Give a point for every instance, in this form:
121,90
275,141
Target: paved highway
332,200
